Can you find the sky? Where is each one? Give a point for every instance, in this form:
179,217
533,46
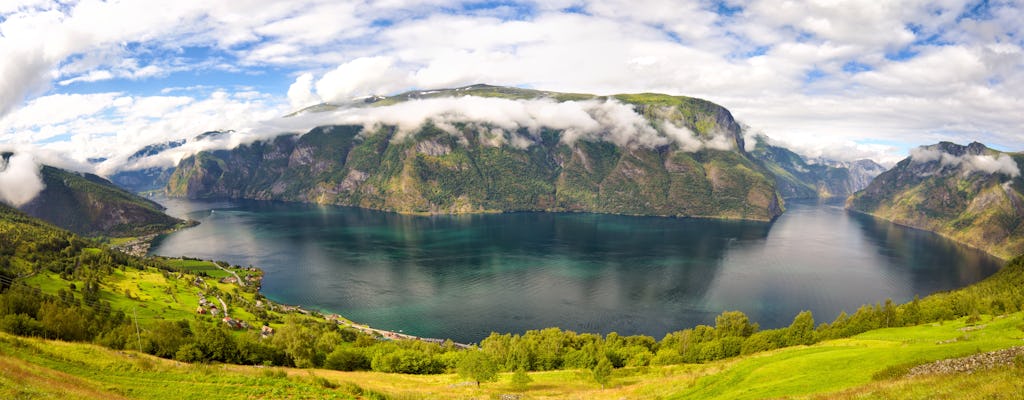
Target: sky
84,80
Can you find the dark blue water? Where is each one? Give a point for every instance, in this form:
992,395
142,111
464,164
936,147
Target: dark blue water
462,277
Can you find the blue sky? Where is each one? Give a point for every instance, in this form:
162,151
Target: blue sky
841,79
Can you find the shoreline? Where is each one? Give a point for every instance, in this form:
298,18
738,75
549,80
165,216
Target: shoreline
987,250
329,316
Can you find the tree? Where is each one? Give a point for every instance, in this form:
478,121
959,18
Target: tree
520,379
478,366
603,372
801,331
734,323
347,359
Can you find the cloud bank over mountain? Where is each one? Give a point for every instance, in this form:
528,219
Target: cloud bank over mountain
1001,164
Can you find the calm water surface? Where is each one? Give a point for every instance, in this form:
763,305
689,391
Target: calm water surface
462,277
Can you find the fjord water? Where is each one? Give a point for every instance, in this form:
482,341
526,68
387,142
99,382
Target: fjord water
462,277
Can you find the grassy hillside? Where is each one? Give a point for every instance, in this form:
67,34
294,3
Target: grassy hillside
860,367
467,168
89,205
946,193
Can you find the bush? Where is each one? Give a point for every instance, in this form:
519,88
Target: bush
189,353
342,359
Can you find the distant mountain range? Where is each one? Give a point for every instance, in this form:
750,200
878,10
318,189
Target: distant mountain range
972,194
798,178
460,169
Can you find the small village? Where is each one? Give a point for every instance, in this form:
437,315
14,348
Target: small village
254,278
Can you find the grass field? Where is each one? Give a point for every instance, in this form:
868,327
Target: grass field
196,266
34,368
157,295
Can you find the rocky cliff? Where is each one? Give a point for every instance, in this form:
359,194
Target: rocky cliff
692,162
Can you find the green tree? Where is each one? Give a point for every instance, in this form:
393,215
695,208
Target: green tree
734,323
603,372
478,366
520,379
801,331
347,359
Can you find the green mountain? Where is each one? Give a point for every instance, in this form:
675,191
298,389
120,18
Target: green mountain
972,194
796,178
90,205
457,167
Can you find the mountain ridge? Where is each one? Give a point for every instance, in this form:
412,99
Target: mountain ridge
90,205
687,152
971,194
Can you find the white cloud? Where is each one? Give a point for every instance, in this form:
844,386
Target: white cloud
970,163
300,93
360,77
20,181
56,109
503,119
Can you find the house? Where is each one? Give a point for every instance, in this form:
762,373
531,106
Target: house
266,331
232,323
200,310
229,279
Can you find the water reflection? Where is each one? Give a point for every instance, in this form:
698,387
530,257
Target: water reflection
464,276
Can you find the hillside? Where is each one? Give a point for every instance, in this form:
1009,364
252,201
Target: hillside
870,365
685,158
971,194
796,178
90,205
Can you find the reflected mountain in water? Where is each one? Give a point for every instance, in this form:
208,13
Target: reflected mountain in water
467,275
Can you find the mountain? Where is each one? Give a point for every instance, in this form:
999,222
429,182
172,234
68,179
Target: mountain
972,194
469,167
797,178
137,178
90,205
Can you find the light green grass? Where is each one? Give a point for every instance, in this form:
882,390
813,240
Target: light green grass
833,369
36,368
845,363
196,266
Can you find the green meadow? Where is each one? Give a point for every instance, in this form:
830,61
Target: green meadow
857,367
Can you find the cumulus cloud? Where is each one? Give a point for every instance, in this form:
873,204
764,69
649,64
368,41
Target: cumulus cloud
360,77
20,181
970,163
300,93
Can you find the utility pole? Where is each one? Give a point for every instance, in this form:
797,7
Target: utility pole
138,336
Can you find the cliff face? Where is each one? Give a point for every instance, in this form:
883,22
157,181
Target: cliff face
971,193
461,168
